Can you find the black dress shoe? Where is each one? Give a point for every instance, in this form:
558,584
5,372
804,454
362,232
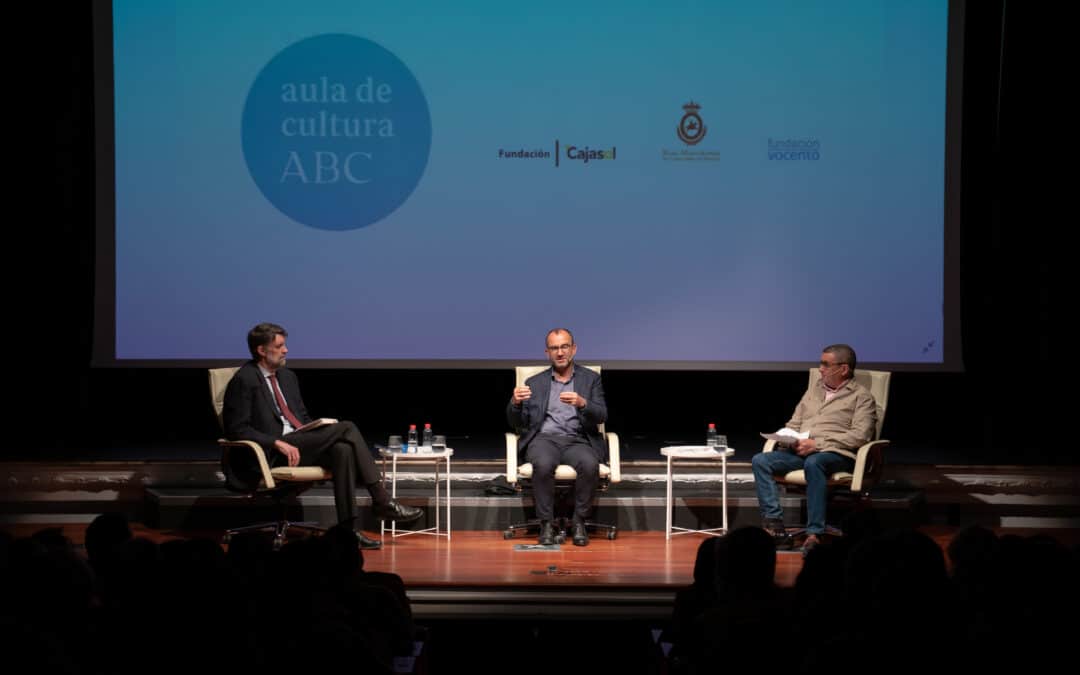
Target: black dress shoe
547,533
580,534
366,543
395,510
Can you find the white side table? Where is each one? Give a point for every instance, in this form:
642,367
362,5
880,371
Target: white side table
435,458
698,452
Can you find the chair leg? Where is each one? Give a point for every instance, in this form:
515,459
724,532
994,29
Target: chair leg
511,530
227,536
280,528
534,525
307,526
285,525
611,531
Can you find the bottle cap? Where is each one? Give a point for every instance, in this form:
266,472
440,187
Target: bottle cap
712,425
427,425
411,427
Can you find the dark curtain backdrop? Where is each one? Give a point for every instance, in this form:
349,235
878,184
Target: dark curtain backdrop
998,410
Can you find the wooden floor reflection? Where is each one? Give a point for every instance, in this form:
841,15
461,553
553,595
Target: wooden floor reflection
483,559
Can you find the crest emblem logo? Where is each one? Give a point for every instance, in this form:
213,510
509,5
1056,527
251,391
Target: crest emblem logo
691,128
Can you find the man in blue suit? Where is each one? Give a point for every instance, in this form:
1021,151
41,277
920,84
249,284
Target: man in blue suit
557,414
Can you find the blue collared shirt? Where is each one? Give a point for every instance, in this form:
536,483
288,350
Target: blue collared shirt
562,418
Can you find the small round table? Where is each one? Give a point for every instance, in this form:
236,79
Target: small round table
697,452
416,458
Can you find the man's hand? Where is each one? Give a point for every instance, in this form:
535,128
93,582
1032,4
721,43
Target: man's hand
291,452
805,447
521,394
573,398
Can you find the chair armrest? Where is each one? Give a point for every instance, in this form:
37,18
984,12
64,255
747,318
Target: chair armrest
228,446
770,445
613,456
868,461
511,458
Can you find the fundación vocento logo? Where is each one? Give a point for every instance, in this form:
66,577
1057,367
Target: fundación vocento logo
336,132
794,150
582,154
691,130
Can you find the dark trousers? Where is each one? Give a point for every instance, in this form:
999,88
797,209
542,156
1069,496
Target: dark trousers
341,450
548,451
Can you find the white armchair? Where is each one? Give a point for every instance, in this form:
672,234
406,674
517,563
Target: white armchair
869,459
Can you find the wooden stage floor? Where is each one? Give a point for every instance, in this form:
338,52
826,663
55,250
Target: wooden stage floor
483,559
479,576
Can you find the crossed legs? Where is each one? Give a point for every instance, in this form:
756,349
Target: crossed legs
341,450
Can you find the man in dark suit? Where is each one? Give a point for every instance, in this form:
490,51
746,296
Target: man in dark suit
263,404
557,414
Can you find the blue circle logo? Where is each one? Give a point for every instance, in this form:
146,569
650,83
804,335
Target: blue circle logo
336,132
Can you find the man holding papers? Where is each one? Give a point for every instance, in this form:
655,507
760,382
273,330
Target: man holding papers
835,416
262,403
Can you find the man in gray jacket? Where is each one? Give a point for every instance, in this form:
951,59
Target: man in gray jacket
840,415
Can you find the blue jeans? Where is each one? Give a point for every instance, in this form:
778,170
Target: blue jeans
817,466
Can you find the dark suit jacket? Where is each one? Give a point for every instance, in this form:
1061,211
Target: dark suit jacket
527,418
249,412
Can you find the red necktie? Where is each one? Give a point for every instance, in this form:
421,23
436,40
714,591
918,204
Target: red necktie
281,403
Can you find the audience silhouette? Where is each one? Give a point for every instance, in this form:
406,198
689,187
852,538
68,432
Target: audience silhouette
877,596
130,605
887,597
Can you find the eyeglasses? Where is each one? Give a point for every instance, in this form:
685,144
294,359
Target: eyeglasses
559,348
826,364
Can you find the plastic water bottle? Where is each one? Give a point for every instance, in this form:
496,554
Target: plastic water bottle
425,441
411,443
712,439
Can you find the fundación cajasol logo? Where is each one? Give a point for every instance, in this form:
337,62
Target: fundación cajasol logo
691,130
581,154
336,132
